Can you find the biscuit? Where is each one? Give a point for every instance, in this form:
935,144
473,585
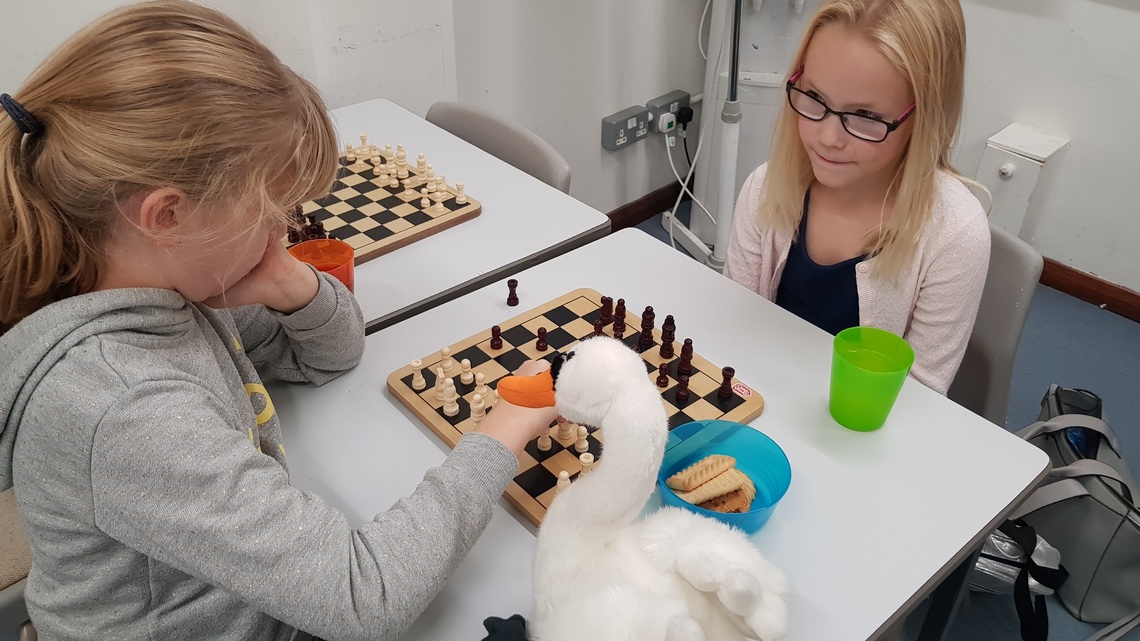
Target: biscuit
725,482
733,502
700,472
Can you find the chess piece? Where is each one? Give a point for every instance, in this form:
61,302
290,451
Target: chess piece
466,376
418,380
619,331
425,201
440,187
460,197
298,221
512,296
439,382
544,443
364,142
481,387
607,310
668,329
429,178
582,444
599,328
349,154
563,482
388,153
438,207
540,343
663,375
685,367
448,363
725,391
587,461
450,398
478,408
496,337
683,389
393,181
401,163
565,429
421,163
646,339
619,315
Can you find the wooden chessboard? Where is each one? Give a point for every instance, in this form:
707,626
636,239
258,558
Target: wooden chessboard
377,218
567,320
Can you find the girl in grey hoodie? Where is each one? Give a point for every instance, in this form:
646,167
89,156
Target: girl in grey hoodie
145,171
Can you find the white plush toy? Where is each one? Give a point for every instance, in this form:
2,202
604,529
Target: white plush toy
675,576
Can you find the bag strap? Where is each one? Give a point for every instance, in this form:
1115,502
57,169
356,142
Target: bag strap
1046,495
1031,611
1065,421
1090,467
1117,629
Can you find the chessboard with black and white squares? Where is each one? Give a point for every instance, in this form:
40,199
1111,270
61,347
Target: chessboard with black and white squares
567,320
376,218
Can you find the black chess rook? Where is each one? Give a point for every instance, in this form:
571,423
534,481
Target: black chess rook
512,296
725,391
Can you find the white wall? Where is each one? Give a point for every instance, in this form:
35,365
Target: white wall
1064,67
339,45
558,68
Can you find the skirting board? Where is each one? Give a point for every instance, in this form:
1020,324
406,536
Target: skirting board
644,208
1091,289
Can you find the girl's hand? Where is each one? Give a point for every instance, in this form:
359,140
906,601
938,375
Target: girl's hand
279,281
516,426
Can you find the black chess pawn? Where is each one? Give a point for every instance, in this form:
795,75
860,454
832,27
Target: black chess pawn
512,296
540,344
663,375
496,338
683,389
599,328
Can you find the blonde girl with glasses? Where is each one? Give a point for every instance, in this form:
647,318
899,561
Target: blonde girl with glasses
858,217
147,169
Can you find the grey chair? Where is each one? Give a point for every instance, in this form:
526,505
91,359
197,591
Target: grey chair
983,381
505,140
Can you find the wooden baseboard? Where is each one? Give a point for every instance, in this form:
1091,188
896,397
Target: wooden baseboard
1091,289
646,207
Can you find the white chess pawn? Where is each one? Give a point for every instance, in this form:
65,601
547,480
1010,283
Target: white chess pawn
460,197
545,443
563,481
587,461
448,363
349,154
478,408
394,182
439,382
425,200
418,380
565,430
582,445
481,384
466,376
450,398
439,206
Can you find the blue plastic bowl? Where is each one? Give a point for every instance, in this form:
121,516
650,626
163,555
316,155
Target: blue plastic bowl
756,455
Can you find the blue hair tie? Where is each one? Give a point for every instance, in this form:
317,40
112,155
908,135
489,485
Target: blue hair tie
24,120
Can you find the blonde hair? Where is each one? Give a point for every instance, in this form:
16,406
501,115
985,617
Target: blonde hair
925,41
158,94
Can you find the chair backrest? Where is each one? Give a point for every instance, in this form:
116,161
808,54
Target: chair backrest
15,562
505,140
983,381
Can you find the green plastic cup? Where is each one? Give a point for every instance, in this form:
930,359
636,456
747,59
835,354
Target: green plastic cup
868,367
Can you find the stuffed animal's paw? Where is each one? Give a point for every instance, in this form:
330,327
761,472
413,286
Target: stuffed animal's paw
747,586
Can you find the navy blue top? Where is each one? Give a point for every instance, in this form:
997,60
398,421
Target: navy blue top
824,295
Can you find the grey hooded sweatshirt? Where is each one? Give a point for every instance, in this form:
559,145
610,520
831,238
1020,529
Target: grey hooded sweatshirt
151,479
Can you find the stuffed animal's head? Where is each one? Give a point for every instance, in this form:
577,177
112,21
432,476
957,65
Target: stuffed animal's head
586,381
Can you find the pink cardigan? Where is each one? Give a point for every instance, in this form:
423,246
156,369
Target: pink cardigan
936,301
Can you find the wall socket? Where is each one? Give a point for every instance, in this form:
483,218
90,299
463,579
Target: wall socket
670,103
625,128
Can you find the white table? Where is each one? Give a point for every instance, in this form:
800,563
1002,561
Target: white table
523,222
871,523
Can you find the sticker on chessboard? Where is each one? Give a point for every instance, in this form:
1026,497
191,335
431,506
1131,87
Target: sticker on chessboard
380,202
453,389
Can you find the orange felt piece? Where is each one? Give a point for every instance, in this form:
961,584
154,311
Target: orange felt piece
528,391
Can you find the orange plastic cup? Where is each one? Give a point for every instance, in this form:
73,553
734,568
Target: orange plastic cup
329,255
